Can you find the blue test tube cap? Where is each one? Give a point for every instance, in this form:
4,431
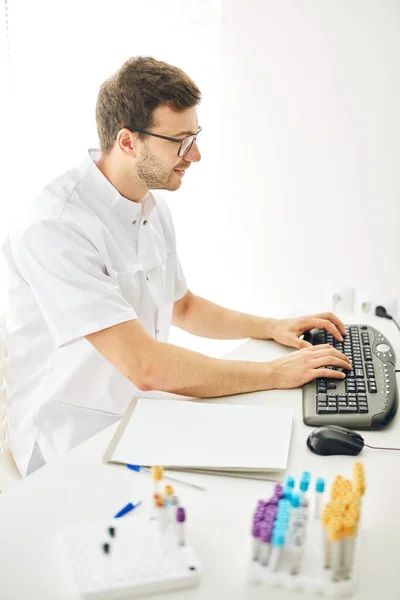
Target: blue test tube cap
289,482
296,500
320,485
304,483
287,494
306,475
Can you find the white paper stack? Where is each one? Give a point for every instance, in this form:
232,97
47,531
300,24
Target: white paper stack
203,437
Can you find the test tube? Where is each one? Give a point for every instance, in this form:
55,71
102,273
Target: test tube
161,513
255,532
319,491
349,542
278,540
265,543
297,547
325,519
157,474
335,549
169,506
180,521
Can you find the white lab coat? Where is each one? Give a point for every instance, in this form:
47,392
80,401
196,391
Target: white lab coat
83,258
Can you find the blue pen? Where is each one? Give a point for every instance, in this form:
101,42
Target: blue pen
126,509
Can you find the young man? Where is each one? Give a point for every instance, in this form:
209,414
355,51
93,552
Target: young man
95,282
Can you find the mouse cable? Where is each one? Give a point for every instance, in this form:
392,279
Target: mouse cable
379,447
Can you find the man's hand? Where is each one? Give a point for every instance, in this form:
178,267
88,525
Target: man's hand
288,331
298,368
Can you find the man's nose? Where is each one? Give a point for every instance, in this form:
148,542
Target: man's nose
193,155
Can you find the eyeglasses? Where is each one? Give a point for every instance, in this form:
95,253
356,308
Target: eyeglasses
184,145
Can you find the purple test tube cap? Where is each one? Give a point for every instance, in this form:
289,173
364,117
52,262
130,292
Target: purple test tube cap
180,515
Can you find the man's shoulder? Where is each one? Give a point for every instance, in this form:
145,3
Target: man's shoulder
55,202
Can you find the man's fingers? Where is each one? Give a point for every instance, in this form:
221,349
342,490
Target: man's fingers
331,361
326,324
334,319
328,373
327,350
303,344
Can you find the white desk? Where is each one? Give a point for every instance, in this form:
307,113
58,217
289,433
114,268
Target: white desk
80,487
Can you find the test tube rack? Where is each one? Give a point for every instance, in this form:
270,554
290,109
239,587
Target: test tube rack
328,556
143,553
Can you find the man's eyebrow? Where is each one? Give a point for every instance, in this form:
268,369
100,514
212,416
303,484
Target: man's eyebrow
184,133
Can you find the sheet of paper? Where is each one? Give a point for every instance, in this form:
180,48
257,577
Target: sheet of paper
203,435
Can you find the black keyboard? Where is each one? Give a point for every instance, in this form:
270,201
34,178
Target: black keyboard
368,397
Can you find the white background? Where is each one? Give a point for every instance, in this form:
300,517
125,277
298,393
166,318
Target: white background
297,194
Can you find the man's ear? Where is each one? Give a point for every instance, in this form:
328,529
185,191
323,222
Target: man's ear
126,141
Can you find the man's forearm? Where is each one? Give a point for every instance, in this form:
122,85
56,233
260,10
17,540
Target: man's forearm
206,319
180,371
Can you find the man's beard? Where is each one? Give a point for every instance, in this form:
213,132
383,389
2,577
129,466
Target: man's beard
151,172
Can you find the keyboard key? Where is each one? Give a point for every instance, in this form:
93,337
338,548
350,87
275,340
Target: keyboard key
359,373
328,410
363,409
332,386
347,409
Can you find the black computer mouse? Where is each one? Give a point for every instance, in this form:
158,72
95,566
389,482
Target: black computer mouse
333,439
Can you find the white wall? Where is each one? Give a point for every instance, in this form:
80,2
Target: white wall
311,159
305,96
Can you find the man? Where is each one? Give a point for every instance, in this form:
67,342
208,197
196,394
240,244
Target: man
95,282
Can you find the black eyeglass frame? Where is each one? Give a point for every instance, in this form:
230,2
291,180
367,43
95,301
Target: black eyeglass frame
171,139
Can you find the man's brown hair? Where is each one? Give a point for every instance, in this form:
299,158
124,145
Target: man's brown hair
129,98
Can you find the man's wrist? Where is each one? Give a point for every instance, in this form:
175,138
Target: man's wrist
264,328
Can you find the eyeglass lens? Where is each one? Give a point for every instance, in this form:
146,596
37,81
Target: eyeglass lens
186,145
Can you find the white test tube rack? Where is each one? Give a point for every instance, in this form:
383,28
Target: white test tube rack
312,577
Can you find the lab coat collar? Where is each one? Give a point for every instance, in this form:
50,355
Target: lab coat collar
126,209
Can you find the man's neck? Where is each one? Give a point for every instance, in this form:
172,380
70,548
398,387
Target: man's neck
123,182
